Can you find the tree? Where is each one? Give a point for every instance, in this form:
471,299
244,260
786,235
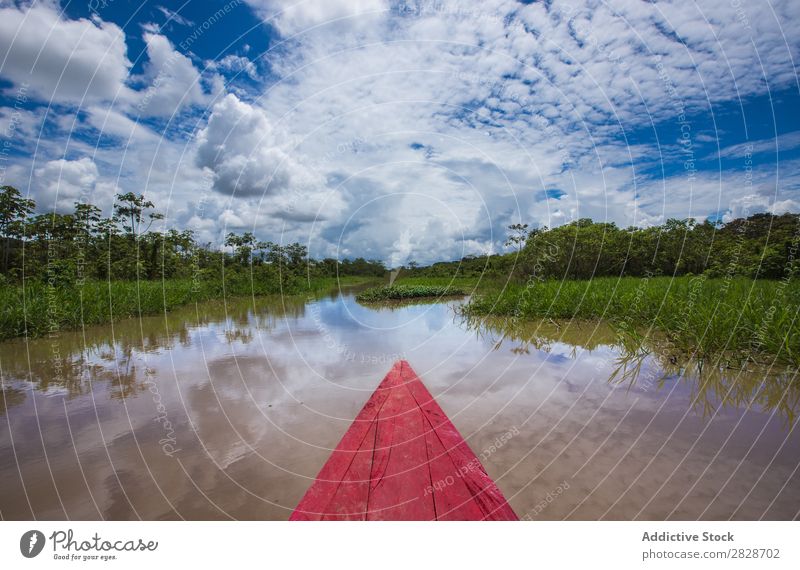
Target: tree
86,244
87,216
14,209
51,247
87,227
296,255
243,246
130,211
518,235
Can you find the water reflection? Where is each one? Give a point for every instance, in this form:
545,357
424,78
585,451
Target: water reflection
228,410
70,360
649,364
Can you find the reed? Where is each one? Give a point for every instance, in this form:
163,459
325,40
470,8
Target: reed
38,309
693,314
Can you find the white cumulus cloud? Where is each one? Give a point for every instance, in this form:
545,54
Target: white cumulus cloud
61,59
248,155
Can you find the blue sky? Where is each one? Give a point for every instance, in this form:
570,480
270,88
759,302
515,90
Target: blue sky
403,130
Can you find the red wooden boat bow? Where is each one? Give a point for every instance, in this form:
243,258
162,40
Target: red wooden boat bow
403,459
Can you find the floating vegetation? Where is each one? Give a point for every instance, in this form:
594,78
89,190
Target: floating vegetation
402,292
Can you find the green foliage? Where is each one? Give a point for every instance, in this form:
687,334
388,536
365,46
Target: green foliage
400,292
761,246
470,267
465,283
695,315
518,235
63,271
39,309
72,248
14,209
83,268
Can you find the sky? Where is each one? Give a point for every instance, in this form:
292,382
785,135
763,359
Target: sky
403,130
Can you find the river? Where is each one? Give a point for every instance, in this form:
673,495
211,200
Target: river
228,410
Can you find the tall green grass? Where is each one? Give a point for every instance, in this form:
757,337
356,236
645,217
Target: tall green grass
694,315
38,309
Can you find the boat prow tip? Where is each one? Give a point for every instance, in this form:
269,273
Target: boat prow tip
403,459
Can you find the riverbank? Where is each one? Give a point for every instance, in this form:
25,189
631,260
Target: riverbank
39,309
700,317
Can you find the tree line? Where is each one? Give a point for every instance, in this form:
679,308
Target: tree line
759,246
74,247
83,245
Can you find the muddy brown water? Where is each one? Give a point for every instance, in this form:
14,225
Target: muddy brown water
228,410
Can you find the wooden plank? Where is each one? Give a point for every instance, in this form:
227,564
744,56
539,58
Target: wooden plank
349,502
485,493
400,472
452,498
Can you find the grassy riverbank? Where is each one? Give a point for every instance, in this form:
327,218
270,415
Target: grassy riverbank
696,316
37,309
